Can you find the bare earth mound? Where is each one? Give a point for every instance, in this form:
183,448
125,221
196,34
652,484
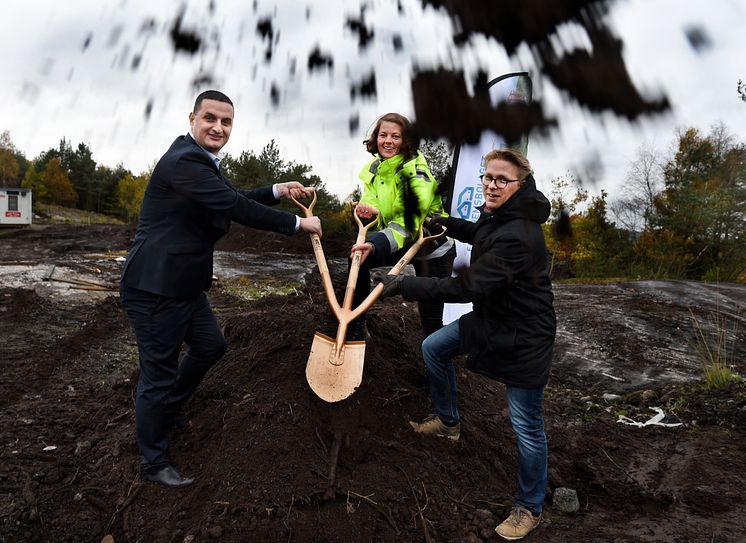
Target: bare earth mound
275,463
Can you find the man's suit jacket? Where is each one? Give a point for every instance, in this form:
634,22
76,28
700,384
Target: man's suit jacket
188,205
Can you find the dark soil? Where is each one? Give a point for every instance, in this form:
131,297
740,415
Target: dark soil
261,444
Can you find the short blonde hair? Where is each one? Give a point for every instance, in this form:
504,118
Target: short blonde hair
514,157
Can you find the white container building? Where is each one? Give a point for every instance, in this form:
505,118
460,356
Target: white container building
15,206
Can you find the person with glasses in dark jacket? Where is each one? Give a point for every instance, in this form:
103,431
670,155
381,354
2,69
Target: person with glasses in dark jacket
509,335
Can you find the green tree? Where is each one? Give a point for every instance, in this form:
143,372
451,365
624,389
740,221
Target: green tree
698,226
601,249
271,162
245,171
82,170
250,171
130,193
106,187
33,181
9,168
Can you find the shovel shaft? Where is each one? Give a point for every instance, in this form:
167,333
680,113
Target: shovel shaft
346,315
355,265
318,252
326,278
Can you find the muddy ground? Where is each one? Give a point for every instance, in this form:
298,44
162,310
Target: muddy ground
261,444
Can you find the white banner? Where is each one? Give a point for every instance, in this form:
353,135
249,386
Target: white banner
468,167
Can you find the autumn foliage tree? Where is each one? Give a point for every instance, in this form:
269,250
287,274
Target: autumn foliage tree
57,187
601,249
698,222
562,246
130,193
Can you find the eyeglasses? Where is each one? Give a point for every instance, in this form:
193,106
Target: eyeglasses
500,182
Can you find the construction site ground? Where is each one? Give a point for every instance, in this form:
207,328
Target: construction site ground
273,462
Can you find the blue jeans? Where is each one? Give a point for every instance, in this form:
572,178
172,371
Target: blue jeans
524,405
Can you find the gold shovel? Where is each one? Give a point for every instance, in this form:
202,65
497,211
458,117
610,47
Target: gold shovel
335,367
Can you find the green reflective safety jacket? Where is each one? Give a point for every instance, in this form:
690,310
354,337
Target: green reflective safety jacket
384,187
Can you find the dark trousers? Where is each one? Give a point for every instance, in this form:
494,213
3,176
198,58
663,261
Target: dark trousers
168,378
431,313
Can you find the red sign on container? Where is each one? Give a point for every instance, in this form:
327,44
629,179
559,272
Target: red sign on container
12,213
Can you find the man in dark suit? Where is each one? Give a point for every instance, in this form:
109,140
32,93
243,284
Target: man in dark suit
188,205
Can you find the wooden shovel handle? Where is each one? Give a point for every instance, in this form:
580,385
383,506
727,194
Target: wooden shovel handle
345,315
318,252
307,211
362,231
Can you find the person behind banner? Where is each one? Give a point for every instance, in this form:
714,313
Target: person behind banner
398,186
188,205
509,334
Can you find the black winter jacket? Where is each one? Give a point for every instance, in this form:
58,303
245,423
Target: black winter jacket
510,333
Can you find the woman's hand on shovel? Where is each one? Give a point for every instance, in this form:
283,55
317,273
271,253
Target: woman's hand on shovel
365,211
366,248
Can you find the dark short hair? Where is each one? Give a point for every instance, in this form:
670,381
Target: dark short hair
409,142
211,95
513,156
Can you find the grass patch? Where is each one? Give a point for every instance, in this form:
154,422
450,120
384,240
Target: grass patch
715,342
49,213
250,289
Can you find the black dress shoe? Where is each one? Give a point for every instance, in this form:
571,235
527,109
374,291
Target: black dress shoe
168,476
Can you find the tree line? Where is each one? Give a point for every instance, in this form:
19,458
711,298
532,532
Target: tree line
682,215
70,177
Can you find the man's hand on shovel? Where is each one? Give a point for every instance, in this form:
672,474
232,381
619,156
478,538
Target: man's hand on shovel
391,285
293,189
436,225
312,225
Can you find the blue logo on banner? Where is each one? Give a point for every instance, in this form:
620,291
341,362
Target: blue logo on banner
468,201
464,202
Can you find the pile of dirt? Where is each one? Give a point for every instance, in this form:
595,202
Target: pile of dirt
274,462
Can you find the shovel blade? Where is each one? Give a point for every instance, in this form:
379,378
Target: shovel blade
334,376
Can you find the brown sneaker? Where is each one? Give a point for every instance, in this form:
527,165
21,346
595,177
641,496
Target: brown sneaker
518,525
433,426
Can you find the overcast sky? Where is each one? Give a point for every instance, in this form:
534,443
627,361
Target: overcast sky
70,69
